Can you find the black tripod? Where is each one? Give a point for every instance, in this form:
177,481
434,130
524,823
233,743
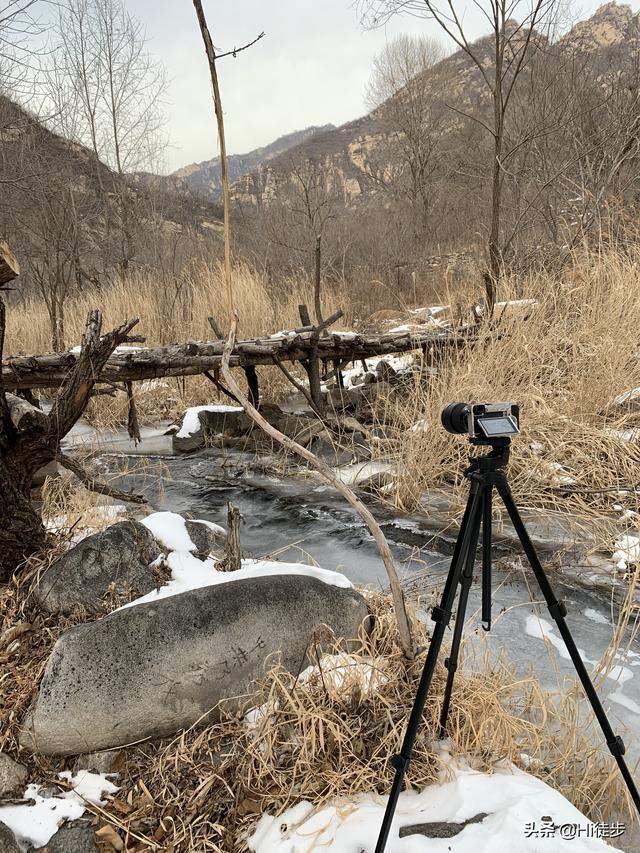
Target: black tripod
485,473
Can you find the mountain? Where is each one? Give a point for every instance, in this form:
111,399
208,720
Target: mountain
71,219
204,179
351,159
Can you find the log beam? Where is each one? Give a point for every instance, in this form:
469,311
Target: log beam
51,370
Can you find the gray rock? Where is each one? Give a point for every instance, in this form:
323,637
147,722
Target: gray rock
97,762
154,668
8,843
207,539
233,423
12,775
112,563
72,838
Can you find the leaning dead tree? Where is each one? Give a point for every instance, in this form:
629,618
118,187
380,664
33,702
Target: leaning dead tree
30,438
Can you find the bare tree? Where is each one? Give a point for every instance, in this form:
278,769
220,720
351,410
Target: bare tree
106,90
407,94
518,31
17,30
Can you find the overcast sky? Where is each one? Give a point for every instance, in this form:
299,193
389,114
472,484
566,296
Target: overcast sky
312,67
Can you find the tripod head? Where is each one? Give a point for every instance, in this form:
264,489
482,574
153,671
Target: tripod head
497,457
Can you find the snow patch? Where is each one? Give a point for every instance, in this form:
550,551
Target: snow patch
627,551
122,349
33,825
170,530
510,797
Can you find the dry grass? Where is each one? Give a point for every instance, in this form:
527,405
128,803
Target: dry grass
564,365
170,312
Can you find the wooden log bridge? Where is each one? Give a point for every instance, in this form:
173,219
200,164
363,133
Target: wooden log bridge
21,373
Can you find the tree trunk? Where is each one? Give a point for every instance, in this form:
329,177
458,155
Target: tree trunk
22,532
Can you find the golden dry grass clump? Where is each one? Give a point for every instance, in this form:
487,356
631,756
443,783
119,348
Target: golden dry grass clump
565,364
173,311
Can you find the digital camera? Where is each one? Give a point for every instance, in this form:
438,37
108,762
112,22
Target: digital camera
482,421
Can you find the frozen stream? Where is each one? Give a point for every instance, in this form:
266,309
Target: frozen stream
296,519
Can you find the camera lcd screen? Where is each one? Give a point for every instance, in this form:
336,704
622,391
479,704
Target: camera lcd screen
492,427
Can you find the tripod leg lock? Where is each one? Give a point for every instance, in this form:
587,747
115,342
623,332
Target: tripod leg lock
400,763
440,615
450,665
557,610
617,747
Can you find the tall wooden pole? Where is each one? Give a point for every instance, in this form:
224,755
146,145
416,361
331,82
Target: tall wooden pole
217,101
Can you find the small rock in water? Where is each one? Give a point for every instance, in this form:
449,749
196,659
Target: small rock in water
206,536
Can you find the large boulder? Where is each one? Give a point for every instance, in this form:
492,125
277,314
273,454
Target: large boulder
153,668
104,566
207,537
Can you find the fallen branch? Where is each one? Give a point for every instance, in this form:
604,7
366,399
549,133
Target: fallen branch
404,628
97,486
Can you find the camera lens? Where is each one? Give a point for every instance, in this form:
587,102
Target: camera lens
454,418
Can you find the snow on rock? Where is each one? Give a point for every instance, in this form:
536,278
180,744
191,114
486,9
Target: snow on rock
189,572
511,798
363,472
191,421
627,552
170,530
36,823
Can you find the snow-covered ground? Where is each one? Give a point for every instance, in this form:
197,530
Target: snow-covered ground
34,824
522,814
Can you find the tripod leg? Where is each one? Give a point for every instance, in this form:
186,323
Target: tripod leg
558,612
486,558
465,585
441,616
